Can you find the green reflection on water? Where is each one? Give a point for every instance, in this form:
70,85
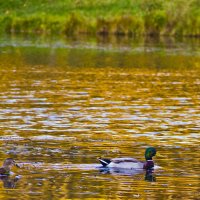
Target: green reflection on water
68,104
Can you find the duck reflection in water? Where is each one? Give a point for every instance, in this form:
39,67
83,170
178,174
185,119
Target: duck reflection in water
149,174
9,182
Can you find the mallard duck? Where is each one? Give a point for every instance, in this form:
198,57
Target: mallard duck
131,163
8,163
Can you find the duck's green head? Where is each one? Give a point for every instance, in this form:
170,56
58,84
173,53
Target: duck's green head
149,153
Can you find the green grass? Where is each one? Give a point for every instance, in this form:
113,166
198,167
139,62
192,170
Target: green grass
124,17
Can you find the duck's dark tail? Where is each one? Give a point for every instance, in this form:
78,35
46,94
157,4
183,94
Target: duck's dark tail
104,161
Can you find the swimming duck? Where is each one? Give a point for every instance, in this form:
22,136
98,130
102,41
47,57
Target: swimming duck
131,163
8,163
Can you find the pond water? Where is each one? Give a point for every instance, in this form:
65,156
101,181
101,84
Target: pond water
66,102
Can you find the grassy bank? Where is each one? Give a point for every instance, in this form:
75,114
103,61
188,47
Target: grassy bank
120,17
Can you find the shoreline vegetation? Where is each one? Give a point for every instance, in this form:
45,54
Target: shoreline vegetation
105,17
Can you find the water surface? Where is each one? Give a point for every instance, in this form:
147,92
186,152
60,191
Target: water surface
63,103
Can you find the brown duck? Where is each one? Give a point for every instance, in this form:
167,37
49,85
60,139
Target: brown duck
7,165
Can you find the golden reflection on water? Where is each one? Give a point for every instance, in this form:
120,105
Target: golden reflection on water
52,117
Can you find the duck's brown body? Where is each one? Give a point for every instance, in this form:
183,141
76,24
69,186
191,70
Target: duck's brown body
3,171
8,163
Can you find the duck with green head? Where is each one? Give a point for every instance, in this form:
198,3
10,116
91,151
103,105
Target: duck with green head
131,163
7,165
